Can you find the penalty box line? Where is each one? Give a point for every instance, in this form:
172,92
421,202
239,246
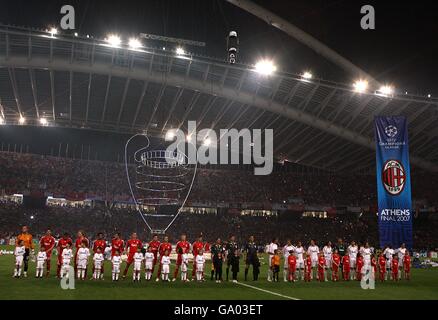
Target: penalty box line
267,291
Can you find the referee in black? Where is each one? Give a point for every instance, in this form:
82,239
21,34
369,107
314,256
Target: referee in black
230,248
252,258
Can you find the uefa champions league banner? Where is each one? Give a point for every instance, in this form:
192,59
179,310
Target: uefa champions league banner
393,181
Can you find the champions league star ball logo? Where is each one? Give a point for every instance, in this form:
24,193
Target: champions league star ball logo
393,177
391,131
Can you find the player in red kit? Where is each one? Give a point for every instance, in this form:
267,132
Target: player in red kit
196,247
132,246
374,264
307,267
382,267
394,268
47,243
181,246
117,245
321,267
359,266
154,245
407,265
346,267
99,243
336,260
292,266
79,239
164,246
63,243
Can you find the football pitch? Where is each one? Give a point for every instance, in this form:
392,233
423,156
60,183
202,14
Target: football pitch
424,285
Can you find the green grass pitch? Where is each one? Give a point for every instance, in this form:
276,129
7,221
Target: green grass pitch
424,285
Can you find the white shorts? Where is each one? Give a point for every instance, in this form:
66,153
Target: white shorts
98,266
300,264
388,264
137,266
328,263
286,265
352,263
270,259
314,262
18,261
149,265
40,264
165,269
116,268
184,267
82,264
200,267
65,268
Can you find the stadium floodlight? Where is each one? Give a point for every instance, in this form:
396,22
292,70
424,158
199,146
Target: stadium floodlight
22,120
43,121
386,90
113,40
134,43
76,34
189,137
53,31
265,67
429,95
360,85
307,75
180,51
170,134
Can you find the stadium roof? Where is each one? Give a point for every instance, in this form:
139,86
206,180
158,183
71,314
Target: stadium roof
82,82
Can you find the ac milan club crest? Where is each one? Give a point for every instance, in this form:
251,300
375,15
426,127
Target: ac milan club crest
393,177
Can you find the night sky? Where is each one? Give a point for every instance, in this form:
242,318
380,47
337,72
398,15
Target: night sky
401,51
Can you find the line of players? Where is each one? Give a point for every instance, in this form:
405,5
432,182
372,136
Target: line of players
353,262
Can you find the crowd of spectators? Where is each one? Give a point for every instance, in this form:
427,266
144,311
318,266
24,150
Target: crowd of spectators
107,181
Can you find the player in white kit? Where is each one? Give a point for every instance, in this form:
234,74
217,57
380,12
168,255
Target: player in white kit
388,252
366,253
116,260
313,251
286,252
149,263
19,252
352,253
184,266
67,255
271,249
165,266
98,261
328,252
138,261
401,252
299,253
82,260
41,260
200,262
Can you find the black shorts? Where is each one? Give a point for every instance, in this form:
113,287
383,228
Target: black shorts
251,261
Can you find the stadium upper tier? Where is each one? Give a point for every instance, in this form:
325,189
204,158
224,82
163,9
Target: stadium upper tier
63,80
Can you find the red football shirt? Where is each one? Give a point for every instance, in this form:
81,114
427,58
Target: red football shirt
394,265
292,261
99,243
62,244
78,242
321,263
407,261
336,260
117,244
47,243
182,246
165,246
346,262
359,263
382,263
196,247
132,246
154,245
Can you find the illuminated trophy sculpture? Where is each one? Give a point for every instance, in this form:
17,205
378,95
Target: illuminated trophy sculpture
160,182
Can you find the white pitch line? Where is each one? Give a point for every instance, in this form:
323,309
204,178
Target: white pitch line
267,291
